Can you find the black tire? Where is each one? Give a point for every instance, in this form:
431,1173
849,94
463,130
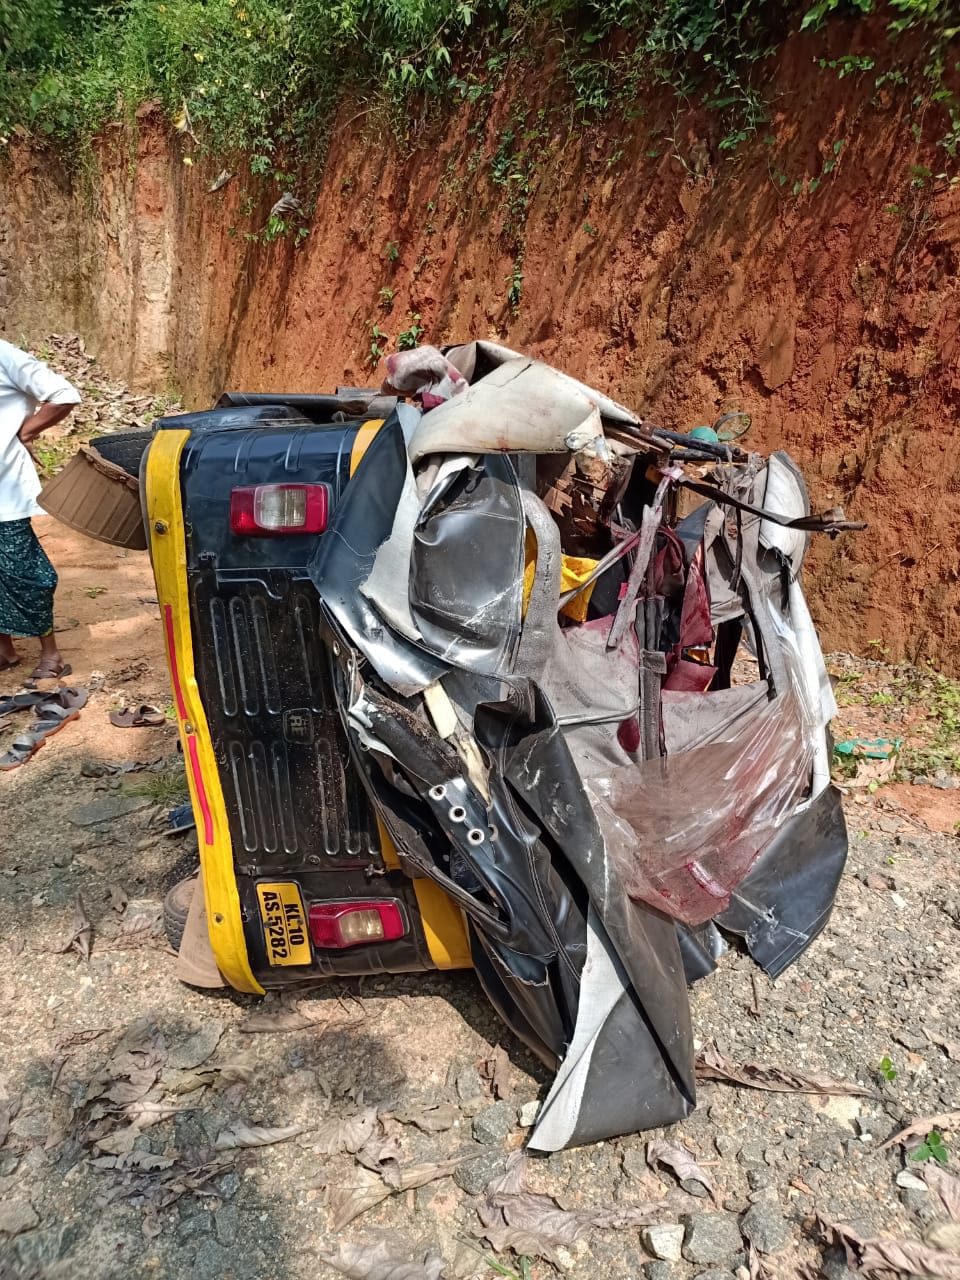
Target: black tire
185,867
176,908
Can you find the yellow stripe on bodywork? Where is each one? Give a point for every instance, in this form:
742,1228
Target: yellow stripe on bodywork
442,919
169,553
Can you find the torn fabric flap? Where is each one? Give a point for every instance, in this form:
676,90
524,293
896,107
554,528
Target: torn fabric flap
522,406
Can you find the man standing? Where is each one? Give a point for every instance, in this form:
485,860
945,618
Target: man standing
32,398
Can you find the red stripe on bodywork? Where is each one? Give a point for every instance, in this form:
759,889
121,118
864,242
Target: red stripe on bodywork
201,790
172,659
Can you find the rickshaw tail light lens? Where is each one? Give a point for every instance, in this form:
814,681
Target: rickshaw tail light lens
336,925
267,509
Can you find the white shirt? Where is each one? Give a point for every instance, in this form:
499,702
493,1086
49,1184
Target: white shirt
25,384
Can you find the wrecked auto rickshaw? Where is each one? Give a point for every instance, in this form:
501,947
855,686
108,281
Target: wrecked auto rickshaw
502,678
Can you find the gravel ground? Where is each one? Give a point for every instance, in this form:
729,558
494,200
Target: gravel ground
119,1084
376,1130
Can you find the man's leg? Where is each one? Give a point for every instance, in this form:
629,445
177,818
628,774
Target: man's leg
51,663
8,653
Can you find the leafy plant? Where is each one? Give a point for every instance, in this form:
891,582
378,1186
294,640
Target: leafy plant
378,344
386,297
887,1069
933,1147
515,290
391,250
409,337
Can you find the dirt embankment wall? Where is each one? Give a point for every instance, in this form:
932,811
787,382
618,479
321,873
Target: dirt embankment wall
811,282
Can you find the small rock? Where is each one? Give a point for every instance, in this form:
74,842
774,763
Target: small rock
726,1144
664,1240
945,784
751,1153
473,1176
916,1201
211,1261
35,1124
656,1271
844,1109
834,1265
634,1165
710,1237
468,1083
229,1185
907,1179
107,808
694,1188
226,1224
712,1273
766,1228
760,1179
493,1123
62,858
528,1113
17,1216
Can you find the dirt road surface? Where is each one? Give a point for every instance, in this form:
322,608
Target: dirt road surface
130,1104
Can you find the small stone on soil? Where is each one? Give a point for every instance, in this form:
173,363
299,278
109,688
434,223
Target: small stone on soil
664,1240
17,1216
475,1174
493,1123
710,1237
766,1228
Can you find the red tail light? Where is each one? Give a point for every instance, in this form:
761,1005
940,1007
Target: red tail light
266,509
337,925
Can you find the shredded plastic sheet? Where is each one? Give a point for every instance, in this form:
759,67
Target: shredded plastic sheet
684,830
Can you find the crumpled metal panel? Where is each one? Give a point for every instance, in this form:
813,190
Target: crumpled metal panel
498,795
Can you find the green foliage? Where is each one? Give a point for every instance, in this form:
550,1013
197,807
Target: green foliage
887,1069
933,1147
409,337
263,77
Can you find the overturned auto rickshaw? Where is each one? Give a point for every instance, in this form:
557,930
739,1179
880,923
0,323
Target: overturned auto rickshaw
482,670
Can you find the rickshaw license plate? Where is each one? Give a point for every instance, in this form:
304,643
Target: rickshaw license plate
284,924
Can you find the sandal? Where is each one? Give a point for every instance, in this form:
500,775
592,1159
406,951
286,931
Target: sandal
21,749
142,717
53,713
8,665
42,672
20,701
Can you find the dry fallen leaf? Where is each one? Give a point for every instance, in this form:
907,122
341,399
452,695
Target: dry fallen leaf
71,1039
241,1135
681,1162
534,1224
712,1065
950,1047
434,1119
9,1108
78,934
285,1018
378,1149
496,1069
945,1186
337,1136
885,1255
118,898
347,1200
379,1262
